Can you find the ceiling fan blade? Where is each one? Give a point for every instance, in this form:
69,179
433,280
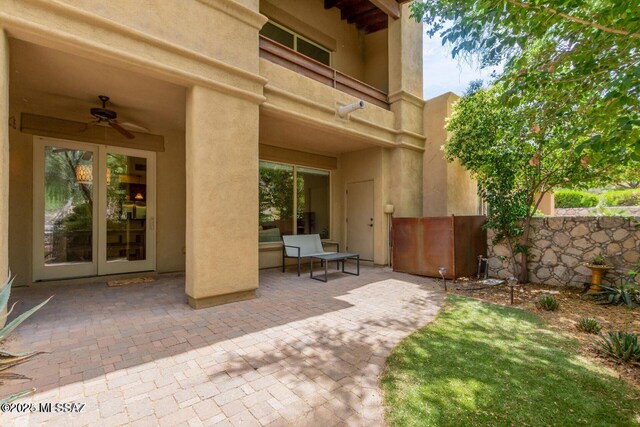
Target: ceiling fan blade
134,127
122,130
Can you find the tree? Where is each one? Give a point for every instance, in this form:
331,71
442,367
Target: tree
517,155
574,57
629,176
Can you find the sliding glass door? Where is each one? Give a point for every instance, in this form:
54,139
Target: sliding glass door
94,210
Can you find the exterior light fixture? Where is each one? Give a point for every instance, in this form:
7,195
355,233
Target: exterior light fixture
388,210
84,174
513,282
442,272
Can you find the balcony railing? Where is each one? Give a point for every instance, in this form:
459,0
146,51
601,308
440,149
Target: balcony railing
301,64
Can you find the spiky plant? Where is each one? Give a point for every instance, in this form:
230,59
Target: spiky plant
8,359
548,303
621,346
588,325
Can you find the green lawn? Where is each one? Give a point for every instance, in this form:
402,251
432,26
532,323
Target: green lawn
480,364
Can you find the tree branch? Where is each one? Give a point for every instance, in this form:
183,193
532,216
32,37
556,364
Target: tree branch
575,19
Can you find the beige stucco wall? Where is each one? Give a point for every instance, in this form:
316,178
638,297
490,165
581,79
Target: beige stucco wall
448,187
222,195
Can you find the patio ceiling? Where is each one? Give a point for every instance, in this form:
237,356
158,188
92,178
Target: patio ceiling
57,84
368,15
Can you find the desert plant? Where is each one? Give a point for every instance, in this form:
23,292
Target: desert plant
621,346
598,260
625,292
589,325
548,303
9,360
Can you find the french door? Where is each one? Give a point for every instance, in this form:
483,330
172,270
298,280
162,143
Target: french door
93,209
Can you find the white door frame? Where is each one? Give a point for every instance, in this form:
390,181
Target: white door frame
99,264
63,270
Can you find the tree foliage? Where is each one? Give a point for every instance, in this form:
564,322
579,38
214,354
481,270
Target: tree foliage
516,161
572,57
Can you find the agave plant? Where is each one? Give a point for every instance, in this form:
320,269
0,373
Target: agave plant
588,325
622,346
548,303
9,360
626,292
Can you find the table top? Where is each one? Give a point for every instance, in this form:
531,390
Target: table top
336,256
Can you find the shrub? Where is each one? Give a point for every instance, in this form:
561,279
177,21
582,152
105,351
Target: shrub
548,303
575,199
622,198
588,325
621,346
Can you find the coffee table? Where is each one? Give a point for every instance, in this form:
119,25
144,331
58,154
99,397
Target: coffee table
338,257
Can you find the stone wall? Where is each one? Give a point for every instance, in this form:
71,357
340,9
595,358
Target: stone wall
559,246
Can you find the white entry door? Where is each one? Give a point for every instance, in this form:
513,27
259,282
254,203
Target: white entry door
94,210
360,219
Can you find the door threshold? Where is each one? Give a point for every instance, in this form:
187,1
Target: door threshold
94,279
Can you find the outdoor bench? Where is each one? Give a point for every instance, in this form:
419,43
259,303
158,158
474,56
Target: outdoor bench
304,246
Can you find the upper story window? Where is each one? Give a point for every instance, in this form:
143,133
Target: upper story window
285,36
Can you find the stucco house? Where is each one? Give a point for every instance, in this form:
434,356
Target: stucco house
221,132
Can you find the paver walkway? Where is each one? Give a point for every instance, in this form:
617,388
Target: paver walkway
302,353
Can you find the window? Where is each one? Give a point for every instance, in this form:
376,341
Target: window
278,184
298,43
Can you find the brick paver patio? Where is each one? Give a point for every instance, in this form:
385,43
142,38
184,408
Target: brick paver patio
302,353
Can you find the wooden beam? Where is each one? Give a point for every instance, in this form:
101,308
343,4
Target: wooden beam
366,16
372,20
376,26
390,7
356,9
328,4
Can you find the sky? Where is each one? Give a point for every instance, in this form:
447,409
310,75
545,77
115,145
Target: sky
444,74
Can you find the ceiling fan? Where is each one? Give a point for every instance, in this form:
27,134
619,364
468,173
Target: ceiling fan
104,115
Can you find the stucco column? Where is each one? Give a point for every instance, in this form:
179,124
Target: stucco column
405,95
4,154
222,198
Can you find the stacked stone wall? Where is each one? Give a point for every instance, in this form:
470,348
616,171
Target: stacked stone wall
560,246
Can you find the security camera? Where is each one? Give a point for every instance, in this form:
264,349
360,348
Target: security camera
345,110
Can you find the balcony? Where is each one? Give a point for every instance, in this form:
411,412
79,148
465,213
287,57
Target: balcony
301,64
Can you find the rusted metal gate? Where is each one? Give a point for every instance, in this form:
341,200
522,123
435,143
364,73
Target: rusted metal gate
423,245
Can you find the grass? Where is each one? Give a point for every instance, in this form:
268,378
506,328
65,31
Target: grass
479,364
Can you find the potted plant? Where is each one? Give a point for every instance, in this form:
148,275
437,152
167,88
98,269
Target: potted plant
598,265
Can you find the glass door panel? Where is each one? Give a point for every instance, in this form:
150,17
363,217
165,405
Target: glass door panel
129,206
64,210
126,208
